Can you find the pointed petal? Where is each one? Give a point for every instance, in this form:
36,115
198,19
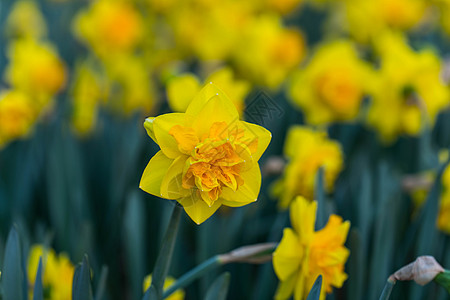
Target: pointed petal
218,109
161,127
257,133
303,218
197,209
154,173
288,255
246,193
148,125
171,185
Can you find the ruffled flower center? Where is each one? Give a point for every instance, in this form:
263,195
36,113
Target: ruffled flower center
215,161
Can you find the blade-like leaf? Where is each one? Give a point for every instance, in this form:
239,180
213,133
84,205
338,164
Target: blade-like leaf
13,278
219,288
81,288
38,292
314,293
101,283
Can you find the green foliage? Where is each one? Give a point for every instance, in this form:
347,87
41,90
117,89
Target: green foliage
314,293
81,289
13,276
219,288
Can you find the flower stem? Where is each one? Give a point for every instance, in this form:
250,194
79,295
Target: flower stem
193,274
165,255
387,290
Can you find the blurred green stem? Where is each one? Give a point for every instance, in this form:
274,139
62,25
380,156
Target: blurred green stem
165,255
387,290
193,274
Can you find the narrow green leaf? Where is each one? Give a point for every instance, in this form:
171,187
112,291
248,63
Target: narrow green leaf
387,290
81,288
38,292
13,278
219,288
101,283
165,253
150,294
314,293
319,194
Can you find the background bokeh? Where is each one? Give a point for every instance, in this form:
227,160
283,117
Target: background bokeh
78,79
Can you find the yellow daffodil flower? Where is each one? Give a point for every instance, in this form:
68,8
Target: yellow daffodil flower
208,156
303,254
36,69
409,92
182,89
369,18
109,27
87,93
332,86
307,151
268,52
17,116
177,295
57,275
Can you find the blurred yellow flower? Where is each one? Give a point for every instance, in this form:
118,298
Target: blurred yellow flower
369,18
35,69
177,295
208,156
57,275
87,93
304,254
17,116
268,52
331,87
182,89
109,27
408,92
307,151
26,21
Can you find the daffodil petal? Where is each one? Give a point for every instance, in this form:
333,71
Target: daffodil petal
154,173
303,217
286,288
171,184
259,134
288,255
222,110
197,209
246,193
161,127
148,125
206,93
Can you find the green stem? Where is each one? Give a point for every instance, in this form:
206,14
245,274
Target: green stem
387,290
165,255
193,274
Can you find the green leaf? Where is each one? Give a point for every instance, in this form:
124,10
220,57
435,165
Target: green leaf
81,288
219,288
314,293
150,294
443,279
101,283
13,277
319,194
38,292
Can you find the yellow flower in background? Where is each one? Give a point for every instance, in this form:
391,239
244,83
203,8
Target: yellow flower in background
177,295
307,151
57,275
284,6
87,93
109,27
268,52
131,82
369,18
208,156
17,116
408,92
303,254
36,69
26,21
182,89
332,86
